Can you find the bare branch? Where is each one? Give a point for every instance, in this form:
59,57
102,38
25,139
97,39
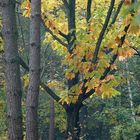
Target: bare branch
103,31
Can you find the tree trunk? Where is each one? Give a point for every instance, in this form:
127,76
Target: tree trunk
12,70
73,124
52,111
34,73
130,93
52,127
83,126
138,137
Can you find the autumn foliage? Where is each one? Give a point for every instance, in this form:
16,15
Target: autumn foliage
116,42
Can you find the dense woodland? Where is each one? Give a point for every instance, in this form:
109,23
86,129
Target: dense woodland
69,69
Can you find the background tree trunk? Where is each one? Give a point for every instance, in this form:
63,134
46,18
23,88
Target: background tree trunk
52,111
34,73
12,71
83,126
130,93
52,120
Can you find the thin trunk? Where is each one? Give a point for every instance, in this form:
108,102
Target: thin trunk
83,116
52,111
12,71
34,73
52,124
73,124
130,94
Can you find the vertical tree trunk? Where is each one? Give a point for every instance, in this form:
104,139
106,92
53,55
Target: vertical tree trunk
130,94
52,121
73,124
83,126
34,73
12,71
52,111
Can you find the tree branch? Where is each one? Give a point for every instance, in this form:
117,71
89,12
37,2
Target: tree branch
117,13
112,61
135,49
88,16
43,85
21,28
50,92
103,31
23,64
88,10
54,36
71,26
66,3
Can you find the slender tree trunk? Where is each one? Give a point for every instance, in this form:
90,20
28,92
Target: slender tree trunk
83,126
12,71
130,94
52,111
52,121
73,124
34,73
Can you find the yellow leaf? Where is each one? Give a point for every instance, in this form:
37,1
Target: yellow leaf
135,29
109,77
127,42
125,53
26,6
98,91
127,2
69,75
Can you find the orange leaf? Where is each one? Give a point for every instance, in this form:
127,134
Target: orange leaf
28,8
69,75
127,2
98,91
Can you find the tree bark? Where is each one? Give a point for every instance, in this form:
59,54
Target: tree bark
52,120
52,110
73,124
12,71
83,126
34,72
130,93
